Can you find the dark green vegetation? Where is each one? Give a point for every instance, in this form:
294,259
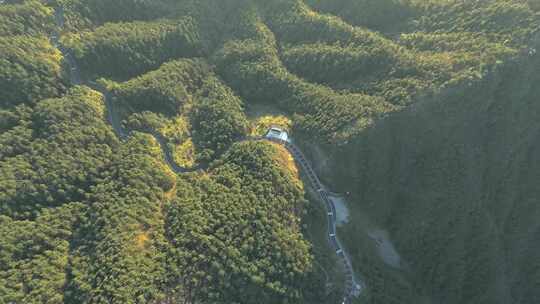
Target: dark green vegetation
122,50
427,110
461,198
184,91
122,234
30,69
253,240
99,207
88,13
70,128
432,53
29,18
34,260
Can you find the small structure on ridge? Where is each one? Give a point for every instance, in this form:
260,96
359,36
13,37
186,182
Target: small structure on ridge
277,134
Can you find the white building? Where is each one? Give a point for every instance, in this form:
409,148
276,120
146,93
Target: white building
277,134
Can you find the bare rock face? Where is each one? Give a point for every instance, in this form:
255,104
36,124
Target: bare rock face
455,181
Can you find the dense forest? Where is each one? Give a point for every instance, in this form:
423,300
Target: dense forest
424,112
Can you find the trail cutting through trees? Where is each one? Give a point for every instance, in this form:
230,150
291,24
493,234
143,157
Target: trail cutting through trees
352,285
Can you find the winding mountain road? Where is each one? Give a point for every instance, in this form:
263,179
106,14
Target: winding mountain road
352,285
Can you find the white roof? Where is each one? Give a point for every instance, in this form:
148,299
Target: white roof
277,133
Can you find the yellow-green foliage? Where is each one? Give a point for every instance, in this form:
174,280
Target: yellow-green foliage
179,127
325,70
509,20
417,62
177,132
66,137
30,69
215,222
261,125
94,100
205,109
124,50
28,18
185,153
254,69
445,43
35,255
90,13
125,203
166,90
285,160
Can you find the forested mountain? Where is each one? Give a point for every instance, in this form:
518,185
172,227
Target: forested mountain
28,18
122,49
128,174
461,197
30,69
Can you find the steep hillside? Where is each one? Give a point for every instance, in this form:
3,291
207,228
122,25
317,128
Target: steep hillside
130,170
121,50
454,179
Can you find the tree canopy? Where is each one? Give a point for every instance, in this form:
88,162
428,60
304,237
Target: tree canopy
30,69
28,18
188,208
